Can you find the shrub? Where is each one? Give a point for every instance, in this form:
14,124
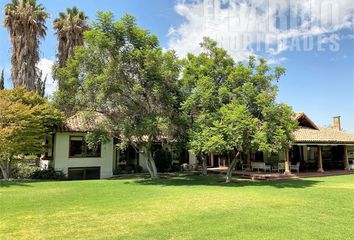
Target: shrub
49,173
23,170
175,168
118,170
129,169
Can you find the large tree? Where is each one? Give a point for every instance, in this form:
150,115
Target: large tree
122,71
235,111
201,79
25,120
69,28
25,21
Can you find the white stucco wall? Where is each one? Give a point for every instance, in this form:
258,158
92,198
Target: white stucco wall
350,148
192,158
62,161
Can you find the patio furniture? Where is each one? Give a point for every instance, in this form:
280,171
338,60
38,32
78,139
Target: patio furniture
274,168
245,167
281,167
260,165
295,167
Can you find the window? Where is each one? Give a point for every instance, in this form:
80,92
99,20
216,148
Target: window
84,173
49,142
79,148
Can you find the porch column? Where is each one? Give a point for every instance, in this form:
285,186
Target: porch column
320,164
346,159
286,163
212,159
305,153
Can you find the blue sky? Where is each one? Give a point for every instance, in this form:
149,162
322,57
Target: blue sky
319,79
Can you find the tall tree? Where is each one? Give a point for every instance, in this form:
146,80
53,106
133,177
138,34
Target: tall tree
202,77
235,111
122,71
69,27
2,80
25,21
40,84
25,120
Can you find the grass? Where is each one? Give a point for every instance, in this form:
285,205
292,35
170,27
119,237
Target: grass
186,207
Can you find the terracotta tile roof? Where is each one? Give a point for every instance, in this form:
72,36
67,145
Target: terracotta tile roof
304,120
88,121
83,122
323,135
298,115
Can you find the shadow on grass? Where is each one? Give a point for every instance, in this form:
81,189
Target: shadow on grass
218,180
10,183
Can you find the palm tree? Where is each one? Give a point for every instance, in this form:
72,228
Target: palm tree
70,27
2,80
25,21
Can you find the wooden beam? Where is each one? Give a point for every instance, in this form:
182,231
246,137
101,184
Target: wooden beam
320,164
346,158
286,163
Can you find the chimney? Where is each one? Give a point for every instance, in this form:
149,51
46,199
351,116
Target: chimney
336,123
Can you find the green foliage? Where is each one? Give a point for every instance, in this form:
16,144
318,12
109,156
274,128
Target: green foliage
25,120
40,84
48,174
65,98
127,169
232,107
22,170
122,71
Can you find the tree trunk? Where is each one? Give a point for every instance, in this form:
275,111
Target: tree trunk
204,165
231,168
5,169
151,165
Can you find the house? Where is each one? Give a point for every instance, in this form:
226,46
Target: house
68,152
316,148
328,146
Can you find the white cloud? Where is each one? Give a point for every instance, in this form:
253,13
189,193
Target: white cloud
246,27
45,65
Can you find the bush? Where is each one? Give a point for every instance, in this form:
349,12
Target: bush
175,168
49,173
127,169
23,170
130,168
118,170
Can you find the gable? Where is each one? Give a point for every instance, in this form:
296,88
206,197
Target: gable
305,121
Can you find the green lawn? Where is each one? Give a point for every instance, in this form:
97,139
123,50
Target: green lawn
179,208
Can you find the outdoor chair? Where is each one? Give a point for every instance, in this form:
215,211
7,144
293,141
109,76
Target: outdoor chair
295,167
260,165
274,168
245,167
281,167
